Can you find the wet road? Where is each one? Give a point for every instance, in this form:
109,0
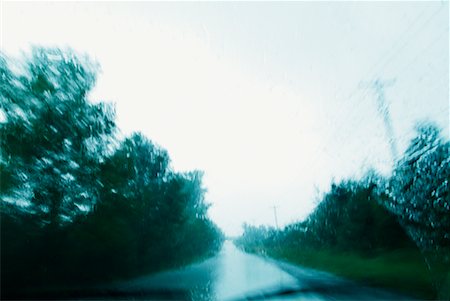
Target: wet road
235,275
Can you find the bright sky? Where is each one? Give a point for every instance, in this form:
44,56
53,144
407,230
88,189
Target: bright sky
272,100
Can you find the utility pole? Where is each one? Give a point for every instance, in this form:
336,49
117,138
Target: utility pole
275,215
383,109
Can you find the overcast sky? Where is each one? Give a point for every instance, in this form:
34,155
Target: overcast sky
272,101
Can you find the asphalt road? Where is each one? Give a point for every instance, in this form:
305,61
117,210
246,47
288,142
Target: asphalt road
235,275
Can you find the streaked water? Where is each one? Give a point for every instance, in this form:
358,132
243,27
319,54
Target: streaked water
235,275
241,274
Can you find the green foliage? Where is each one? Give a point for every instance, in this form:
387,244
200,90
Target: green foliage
53,138
78,206
420,189
420,197
358,224
400,269
350,217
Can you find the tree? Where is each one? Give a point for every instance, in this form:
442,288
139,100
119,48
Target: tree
420,197
78,206
165,209
53,138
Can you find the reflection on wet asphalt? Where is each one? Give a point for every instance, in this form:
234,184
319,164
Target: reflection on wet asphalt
235,275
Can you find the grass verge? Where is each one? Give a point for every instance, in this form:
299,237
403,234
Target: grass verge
400,270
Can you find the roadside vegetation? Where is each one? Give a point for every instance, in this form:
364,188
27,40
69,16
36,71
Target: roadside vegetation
80,204
387,232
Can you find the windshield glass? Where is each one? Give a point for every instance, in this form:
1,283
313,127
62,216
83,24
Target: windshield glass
225,150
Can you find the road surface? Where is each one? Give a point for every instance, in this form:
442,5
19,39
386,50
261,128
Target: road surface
235,275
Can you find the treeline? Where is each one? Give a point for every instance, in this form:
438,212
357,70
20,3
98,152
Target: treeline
392,232
79,206
349,218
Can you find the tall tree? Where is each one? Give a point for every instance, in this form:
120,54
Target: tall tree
420,197
53,138
78,205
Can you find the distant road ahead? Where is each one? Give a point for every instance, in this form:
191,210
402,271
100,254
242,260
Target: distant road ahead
235,275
